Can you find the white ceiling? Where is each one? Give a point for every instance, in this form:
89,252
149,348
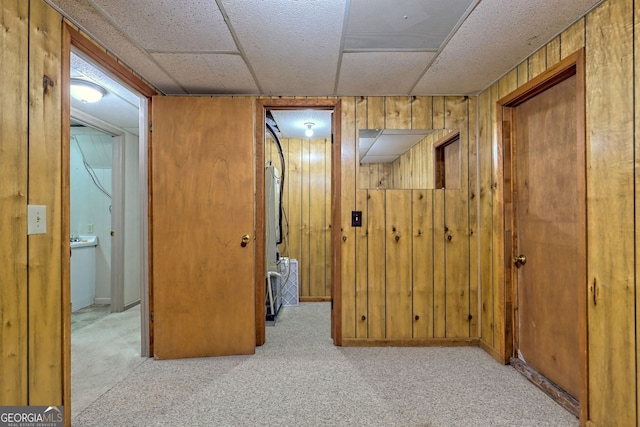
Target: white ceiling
119,108
318,48
386,145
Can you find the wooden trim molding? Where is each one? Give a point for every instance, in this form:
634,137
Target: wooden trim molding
562,397
573,65
411,342
110,64
491,351
73,38
315,299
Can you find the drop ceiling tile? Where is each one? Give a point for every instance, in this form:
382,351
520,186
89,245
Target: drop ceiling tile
171,25
297,47
483,36
402,25
92,22
208,73
381,73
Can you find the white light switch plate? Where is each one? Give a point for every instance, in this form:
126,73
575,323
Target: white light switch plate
36,219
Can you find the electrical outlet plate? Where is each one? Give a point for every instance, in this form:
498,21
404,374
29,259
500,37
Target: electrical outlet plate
36,219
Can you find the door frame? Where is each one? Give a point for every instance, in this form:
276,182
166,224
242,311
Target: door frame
332,104
72,38
571,66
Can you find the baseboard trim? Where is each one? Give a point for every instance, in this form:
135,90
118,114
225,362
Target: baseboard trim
314,299
410,342
563,398
493,352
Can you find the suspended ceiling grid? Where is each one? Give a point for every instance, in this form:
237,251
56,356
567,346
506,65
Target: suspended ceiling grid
318,48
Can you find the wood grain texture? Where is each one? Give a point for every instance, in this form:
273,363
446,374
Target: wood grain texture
421,112
610,213
456,227
501,325
327,228
549,228
399,257
439,112
376,263
412,342
66,223
361,303
537,62
197,313
508,83
474,206
14,86
397,112
485,169
304,262
439,265
45,188
423,267
553,52
347,196
376,112
523,73
636,56
295,212
572,39
317,208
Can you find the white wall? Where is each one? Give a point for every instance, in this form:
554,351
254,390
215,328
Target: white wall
88,204
132,222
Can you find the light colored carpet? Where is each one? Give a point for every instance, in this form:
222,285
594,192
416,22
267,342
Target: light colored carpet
103,353
300,379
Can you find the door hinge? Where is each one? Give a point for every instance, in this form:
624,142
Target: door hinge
594,291
150,126
151,316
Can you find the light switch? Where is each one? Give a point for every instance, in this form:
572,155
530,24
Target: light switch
356,218
36,219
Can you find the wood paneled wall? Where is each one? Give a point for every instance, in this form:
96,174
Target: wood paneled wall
607,34
31,168
406,274
415,168
307,206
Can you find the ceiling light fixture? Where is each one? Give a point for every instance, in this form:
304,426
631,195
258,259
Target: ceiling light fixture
309,131
86,91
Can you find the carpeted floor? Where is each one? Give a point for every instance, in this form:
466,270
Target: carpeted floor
300,379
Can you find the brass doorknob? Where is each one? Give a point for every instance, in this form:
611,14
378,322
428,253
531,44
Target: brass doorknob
519,260
246,238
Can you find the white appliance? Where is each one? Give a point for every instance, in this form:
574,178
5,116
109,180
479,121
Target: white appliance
83,271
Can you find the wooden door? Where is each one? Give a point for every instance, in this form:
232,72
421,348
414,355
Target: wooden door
549,228
202,204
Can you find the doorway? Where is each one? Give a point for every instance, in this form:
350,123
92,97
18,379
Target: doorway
125,148
545,204
310,211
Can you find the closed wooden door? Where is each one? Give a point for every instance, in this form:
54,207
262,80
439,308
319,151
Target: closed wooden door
549,229
202,205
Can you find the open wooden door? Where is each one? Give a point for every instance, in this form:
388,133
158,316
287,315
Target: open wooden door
202,227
